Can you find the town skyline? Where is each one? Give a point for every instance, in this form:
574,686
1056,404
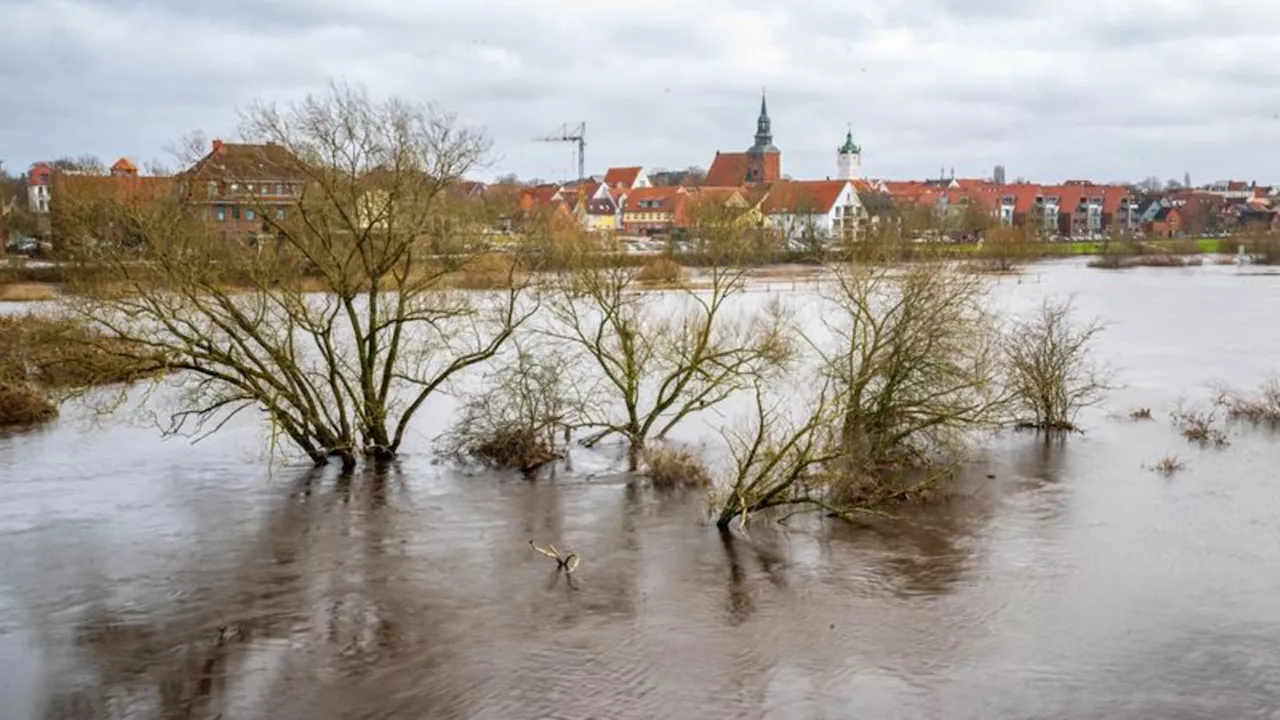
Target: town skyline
1145,89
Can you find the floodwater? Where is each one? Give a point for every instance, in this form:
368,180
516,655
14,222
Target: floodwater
142,578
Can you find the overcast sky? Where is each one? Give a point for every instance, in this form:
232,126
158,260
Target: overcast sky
1097,89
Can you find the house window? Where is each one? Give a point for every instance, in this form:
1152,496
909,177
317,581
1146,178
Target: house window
249,214
279,189
280,213
249,187
212,188
221,212
235,212
235,187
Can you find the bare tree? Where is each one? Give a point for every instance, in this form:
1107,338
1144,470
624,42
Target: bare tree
661,357
518,416
910,373
915,363
1051,366
341,324
781,460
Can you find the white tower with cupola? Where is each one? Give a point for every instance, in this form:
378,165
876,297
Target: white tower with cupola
849,159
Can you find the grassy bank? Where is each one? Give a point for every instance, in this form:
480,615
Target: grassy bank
33,282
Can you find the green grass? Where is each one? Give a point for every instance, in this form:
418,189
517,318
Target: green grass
1081,248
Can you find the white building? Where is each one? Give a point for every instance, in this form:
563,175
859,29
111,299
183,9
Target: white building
39,187
818,210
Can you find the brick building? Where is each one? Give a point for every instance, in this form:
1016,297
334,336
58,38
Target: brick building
760,164
242,187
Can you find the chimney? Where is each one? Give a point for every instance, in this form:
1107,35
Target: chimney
217,144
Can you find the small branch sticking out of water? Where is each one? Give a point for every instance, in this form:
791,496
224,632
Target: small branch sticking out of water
1169,465
568,562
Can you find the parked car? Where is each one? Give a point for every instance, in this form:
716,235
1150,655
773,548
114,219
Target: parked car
22,246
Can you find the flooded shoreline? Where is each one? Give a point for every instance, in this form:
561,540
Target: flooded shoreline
144,578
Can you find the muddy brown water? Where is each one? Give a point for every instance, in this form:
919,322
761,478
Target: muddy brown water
143,579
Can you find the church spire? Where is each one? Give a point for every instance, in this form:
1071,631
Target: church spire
764,132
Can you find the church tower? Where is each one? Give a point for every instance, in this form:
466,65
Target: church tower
849,160
764,161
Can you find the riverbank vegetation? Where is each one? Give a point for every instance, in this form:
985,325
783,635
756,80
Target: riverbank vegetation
45,358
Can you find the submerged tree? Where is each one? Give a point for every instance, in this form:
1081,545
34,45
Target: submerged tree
657,358
1052,374
911,370
781,459
335,315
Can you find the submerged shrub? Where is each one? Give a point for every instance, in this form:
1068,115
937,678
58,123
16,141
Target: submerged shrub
1169,465
669,469
661,270
1200,425
514,447
1260,408
512,422
22,403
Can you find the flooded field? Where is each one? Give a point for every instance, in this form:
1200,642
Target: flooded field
143,578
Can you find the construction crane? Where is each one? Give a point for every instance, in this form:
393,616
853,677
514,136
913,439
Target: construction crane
574,134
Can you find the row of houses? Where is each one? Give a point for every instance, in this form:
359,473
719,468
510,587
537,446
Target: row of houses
237,187
241,188
624,202
1082,208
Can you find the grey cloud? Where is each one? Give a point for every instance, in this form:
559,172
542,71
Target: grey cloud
1092,88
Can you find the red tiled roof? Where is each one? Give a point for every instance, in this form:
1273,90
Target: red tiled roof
622,177
803,196
727,169
973,184
543,194
1024,195
246,162
666,197
1112,196
605,206
1068,196
988,196
911,191
714,194
124,166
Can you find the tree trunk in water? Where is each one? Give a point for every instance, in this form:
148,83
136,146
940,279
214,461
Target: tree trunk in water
633,455
348,461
